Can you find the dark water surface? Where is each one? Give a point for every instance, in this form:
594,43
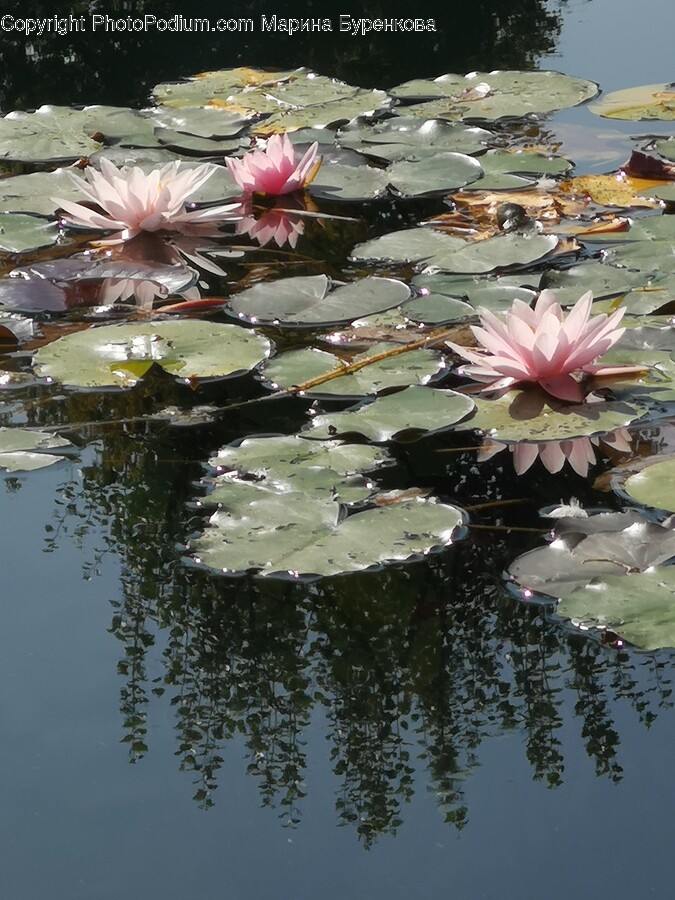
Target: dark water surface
168,735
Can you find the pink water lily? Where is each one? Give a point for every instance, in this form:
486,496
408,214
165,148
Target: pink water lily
274,170
543,345
129,200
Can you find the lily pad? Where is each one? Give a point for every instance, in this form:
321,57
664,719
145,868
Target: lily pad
500,252
326,114
601,279
495,293
24,450
408,413
258,456
401,137
488,96
607,544
315,300
349,183
436,309
290,534
406,246
293,464
218,86
19,233
654,485
435,174
34,193
298,366
649,101
120,355
528,415
639,608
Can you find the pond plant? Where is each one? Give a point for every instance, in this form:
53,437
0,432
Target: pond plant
274,279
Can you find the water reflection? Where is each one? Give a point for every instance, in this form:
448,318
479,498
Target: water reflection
120,68
415,666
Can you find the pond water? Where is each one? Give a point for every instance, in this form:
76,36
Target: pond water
413,731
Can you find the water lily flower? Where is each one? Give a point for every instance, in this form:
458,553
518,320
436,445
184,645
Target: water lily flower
274,170
130,201
544,345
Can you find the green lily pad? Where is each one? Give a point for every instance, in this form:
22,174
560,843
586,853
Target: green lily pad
639,608
436,174
652,257
406,246
60,133
298,366
205,122
326,114
500,252
258,456
529,416
349,183
292,464
436,309
499,162
602,280
487,96
495,293
50,134
602,545
220,85
411,412
654,485
315,300
286,534
19,233
401,137
649,101
120,355
34,193
24,450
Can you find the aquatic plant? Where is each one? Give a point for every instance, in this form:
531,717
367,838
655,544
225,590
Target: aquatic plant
542,345
275,170
133,201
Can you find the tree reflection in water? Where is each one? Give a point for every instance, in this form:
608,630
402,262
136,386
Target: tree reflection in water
121,67
416,666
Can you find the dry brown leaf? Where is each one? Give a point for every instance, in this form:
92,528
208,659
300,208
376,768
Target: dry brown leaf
612,190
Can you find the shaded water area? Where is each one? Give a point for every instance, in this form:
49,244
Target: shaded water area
413,731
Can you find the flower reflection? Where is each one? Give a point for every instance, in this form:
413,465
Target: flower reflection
144,293
279,225
579,452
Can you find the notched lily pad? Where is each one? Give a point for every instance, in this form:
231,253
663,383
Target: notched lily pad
606,544
290,534
120,355
315,300
298,366
408,413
